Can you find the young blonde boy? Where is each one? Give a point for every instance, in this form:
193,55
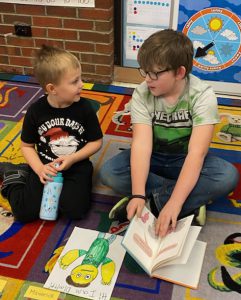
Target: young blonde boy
173,115
60,128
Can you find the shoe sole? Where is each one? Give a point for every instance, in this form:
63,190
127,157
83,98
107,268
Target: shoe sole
201,218
118,204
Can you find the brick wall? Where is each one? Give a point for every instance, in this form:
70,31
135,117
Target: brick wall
86,32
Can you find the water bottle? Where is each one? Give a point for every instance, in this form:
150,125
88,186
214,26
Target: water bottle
50,199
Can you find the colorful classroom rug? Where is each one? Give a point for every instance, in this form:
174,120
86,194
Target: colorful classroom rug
28,251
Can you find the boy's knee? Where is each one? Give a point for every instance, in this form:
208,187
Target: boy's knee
104,174
233,177
77,214
23,213
26,217
230,179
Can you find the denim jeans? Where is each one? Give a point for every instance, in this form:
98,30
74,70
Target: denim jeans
217,178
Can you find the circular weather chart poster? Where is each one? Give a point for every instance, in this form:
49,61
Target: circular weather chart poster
216,36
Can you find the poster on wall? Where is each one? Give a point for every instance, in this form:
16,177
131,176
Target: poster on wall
215,30
149,12
74,3
141,19
135,36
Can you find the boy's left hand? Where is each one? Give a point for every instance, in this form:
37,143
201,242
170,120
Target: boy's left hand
167,219
65,162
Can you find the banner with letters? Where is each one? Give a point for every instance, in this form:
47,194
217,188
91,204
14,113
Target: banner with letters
73,3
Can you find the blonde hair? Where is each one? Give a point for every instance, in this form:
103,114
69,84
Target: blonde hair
51,63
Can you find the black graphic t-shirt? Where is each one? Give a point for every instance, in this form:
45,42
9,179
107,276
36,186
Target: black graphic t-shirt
60,131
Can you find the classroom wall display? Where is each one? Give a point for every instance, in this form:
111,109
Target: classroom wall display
74,3
215,30
214,26
141,19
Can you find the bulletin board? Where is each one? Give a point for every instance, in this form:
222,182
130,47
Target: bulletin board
141,19
214,27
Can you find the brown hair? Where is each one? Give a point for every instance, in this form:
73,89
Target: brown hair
166,49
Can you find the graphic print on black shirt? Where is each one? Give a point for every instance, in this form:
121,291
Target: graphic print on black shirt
60,131
59,141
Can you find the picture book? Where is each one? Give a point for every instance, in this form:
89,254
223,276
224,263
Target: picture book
177,257
88,265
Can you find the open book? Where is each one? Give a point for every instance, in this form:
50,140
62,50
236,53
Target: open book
177,257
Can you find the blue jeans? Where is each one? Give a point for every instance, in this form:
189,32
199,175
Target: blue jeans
217,178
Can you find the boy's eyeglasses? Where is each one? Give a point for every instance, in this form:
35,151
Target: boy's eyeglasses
152,75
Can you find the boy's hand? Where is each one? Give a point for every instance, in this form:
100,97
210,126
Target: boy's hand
135,206
167,219
65,162
45,171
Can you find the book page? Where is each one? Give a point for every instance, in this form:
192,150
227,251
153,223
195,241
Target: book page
172,244
188,274
187,248
140,239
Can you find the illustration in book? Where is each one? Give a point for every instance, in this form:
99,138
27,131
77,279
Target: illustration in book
89,264
171,257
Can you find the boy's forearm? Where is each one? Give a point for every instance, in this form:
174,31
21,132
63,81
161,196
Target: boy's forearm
89,149
141,149
188,178
31,157
140,164
197,150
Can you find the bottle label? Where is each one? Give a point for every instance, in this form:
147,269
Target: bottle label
50,201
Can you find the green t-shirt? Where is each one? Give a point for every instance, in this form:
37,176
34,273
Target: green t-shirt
172,124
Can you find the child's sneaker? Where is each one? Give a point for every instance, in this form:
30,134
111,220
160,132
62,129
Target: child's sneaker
200,216
7,166
117,227
118,212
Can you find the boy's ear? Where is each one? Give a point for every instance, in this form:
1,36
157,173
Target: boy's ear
181,72
50,88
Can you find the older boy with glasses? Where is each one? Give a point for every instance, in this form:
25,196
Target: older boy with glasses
173,115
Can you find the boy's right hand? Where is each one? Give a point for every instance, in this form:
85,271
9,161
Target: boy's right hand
167,219
45,171
135,206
